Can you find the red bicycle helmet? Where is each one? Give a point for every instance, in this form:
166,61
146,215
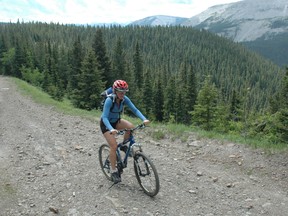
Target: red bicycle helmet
120,85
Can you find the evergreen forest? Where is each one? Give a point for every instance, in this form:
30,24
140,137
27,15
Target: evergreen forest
175,74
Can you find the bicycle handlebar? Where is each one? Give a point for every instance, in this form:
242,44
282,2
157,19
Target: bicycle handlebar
140,126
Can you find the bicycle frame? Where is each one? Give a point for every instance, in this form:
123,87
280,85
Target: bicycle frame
124,161
131,141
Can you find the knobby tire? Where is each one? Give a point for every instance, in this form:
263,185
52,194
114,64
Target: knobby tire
104,152
146,174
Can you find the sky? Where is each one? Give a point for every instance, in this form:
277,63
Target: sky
99,11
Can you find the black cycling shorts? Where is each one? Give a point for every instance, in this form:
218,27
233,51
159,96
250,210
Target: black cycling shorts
104,129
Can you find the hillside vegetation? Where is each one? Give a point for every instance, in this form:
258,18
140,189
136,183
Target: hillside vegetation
176,74
273,48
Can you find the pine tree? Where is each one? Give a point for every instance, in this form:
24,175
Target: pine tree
158,101
185,94
8,62
64,68
192,87
221,120
119,63
191,91
75,62
281,124
179,103
3,49
90,85
235,108
274,124
284,91
147,95
181,95
46,81
169,101
138,67
103,60
205,109
19,60
53,84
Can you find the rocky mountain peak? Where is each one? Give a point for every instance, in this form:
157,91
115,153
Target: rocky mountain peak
245,20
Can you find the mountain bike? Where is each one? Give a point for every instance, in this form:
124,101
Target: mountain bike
145,171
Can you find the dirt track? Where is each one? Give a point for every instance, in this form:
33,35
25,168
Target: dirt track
49,166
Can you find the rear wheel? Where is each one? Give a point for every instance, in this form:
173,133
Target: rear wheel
146,174
104,160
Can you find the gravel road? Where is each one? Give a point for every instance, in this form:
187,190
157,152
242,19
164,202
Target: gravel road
49,166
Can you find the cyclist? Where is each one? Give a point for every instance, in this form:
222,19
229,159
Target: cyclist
111,122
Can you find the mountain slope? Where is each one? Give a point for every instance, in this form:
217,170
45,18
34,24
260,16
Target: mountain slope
274,48
261,25
246,20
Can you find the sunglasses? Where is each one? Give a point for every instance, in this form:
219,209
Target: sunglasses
122,90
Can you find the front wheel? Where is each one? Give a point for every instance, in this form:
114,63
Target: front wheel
104,160
146,174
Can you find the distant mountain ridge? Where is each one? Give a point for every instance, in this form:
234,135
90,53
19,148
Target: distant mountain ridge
261,25
160,20
246,20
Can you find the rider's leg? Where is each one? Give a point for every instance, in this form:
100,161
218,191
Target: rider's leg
111,140
124,124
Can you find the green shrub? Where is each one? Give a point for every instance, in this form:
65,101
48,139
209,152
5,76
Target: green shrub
32,76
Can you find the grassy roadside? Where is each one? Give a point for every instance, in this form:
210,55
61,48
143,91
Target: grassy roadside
158,131
41,97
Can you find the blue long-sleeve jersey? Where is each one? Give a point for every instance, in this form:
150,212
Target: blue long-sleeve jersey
112,114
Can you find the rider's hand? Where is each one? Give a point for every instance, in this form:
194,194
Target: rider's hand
113,131
146,122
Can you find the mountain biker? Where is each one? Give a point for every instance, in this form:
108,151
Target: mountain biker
111,122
